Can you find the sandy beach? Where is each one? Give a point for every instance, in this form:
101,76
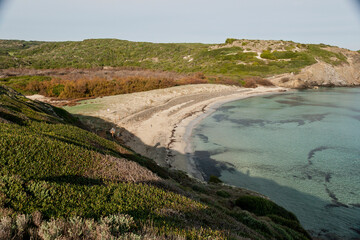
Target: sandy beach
158,123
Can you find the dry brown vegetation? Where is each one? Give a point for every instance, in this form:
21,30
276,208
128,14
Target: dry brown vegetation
101,72
88,83
253,82
123,170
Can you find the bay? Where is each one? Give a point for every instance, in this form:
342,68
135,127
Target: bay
302,149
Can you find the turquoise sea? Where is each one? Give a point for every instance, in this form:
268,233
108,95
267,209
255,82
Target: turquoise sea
302,149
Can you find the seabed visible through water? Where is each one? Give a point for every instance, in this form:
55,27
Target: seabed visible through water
302,149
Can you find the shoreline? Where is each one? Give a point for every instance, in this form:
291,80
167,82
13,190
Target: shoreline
158,123
182,149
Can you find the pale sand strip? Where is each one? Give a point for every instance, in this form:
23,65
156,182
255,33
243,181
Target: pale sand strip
158,123
182,148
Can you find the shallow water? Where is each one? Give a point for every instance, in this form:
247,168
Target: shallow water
301,149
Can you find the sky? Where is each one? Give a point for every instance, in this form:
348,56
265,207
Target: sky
334,22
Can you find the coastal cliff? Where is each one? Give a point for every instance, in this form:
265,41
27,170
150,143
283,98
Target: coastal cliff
324,74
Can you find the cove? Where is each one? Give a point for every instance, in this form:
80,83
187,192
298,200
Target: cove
302,149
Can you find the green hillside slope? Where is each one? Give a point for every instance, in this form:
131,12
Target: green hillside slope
236,58
58,180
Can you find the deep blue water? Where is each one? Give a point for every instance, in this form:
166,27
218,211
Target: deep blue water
302,149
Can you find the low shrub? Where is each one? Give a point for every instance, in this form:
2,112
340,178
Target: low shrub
253,223
22,226
223,194
230,40
214,179
253,82
267,55
293,224
285,54
199,188
263,207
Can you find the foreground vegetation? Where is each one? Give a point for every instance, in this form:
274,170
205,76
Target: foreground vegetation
60,181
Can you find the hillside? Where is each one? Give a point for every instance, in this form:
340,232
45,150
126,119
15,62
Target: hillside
287,63
57,179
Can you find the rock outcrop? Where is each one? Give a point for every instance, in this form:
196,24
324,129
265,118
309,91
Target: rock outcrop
324,74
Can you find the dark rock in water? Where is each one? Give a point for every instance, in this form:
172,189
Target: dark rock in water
311,154
300,122
356,230
355,205
332,205
297,98
204,138
335,200
314,117
276,95
290,103
220,117
327,177
250,122
225,109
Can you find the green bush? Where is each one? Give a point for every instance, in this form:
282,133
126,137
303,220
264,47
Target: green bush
199,188
230,40
223,194
253,223
267,55
214,179
285,54
263,207
292,224
57,89
24,84
290,47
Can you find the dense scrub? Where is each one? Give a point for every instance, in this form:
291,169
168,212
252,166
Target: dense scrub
100,86
58,180
235,58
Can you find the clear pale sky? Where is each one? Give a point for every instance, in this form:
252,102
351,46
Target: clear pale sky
335,22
